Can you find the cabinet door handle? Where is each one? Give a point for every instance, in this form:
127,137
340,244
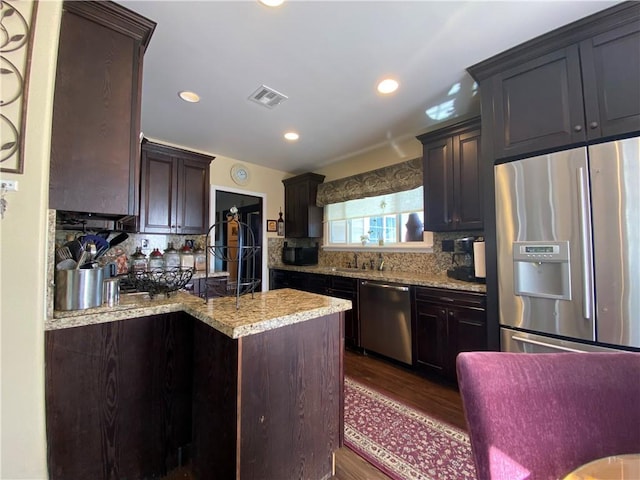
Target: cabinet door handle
446,299
577,128
384,285
593,125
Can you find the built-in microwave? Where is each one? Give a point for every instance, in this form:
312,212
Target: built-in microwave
299,255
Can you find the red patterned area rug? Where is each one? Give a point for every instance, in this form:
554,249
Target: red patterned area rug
404,443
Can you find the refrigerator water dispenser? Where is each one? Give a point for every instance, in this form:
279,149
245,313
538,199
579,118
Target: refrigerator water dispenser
541,269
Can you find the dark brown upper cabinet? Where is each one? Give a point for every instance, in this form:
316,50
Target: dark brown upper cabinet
452,179
174,190
577,84
302,218
96,113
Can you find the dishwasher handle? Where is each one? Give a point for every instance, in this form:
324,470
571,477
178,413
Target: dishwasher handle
385,285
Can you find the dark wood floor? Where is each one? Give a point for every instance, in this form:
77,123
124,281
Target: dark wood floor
433,398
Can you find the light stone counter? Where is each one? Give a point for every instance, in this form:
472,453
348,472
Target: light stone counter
264,311
423,280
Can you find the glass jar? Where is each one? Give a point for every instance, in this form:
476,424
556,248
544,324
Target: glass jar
186,257
200,259
139,261
156,260
171,257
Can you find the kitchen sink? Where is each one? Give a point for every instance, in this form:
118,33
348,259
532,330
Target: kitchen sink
342,269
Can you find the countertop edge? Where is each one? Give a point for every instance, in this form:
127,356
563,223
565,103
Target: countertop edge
206,312
415,279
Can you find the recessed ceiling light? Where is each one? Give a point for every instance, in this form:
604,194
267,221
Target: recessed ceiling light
388,85
271,3
187,96
291,136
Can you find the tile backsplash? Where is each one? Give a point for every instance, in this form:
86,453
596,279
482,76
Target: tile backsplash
411,262
435,262
147,241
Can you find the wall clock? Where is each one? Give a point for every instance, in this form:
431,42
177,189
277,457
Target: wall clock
240,174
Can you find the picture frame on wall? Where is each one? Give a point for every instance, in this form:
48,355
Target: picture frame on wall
272,226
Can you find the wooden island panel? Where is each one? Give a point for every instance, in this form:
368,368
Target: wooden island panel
118,397
269,405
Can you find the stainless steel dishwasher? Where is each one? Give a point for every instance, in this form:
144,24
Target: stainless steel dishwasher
385,319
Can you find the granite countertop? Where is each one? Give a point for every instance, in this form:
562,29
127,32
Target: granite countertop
421,279
258,313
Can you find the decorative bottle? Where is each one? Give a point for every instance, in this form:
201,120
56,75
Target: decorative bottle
171,257
280,224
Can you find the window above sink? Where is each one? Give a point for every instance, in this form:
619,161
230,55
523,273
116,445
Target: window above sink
391,222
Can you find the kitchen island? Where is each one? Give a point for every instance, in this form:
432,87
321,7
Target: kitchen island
252,393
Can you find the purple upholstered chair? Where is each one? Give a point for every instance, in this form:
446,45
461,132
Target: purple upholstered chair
540,416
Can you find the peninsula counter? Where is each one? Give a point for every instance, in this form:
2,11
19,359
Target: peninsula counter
251,393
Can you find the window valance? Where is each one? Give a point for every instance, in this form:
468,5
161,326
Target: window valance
394,178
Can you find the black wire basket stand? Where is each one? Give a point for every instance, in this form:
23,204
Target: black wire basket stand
160,281
240,257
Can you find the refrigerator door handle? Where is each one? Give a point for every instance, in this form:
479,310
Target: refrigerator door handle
543,344
586,244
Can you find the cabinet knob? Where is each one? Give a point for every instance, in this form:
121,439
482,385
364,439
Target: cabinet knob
577,128
593,125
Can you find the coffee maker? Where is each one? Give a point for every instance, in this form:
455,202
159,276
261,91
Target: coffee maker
467,258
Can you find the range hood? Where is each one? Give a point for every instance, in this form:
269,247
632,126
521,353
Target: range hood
87,221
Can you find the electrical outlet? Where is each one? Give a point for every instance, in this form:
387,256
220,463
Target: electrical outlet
145,243
9,185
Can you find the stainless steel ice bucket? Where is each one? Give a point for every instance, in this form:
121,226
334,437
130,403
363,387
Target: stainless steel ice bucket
78,289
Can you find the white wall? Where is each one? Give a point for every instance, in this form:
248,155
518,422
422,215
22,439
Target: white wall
380,157
261,180
23,234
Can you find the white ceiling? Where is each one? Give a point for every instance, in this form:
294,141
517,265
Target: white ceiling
327,57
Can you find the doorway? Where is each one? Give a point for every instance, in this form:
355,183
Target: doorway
250,211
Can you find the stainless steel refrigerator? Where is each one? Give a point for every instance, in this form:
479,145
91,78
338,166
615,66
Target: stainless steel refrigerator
568,243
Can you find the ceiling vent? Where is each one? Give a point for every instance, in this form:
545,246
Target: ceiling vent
267,97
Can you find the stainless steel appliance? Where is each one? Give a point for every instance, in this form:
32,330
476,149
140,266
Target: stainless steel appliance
568,243
385,319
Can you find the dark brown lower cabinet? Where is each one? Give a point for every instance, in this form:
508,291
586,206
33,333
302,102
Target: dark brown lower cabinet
446,323
118,397
268,405
347,288
331,285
